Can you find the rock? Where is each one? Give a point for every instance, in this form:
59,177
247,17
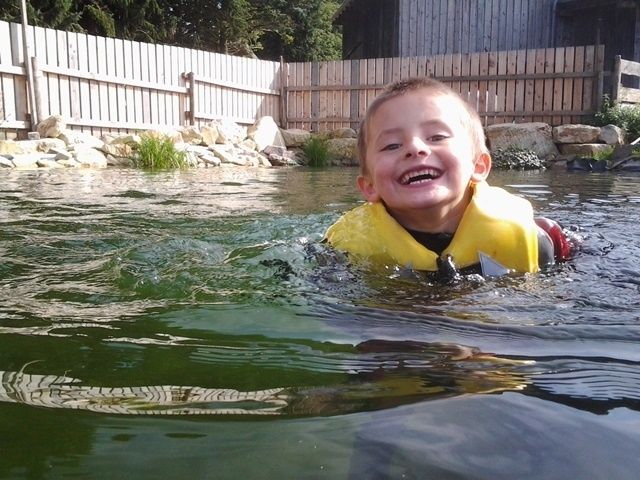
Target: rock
295,137
9,147
5,162
343,151
121,139
611,135
90,157
191,135
122,150
71,163
48,163
33,136
30,146
52,126
26,161
61,154
275,150
229,131
584,149
73,137
345,132
209,134
227,154
281,156
265,132
248,144
576,134
210,159
174,135
536,136
113,161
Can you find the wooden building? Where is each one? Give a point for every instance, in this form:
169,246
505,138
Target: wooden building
407,28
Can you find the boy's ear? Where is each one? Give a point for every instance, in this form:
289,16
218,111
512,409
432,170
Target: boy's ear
481,168
368,190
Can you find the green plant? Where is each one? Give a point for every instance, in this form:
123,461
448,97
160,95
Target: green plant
516,158
316,149
604,154
158,153
626,117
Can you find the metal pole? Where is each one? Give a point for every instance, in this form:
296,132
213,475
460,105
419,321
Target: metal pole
28,67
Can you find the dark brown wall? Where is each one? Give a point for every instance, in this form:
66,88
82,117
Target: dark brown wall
370,29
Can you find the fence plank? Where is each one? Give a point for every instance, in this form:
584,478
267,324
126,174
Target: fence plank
576,101
7,88
558,84
84,84
492,89
567,88
521,66
549,65
501,97
589,85
510,96
483,85
63,61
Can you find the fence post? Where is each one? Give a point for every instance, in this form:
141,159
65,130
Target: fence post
190,114
617,78
26,56
599,64
284,82
37,87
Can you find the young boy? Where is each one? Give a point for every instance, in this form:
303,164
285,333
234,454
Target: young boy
423,166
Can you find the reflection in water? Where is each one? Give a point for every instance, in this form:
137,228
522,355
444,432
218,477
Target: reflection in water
390,374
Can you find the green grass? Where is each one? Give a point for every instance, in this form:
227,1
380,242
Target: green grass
317,151
155,153
604,154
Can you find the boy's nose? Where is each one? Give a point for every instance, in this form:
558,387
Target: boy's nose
417,147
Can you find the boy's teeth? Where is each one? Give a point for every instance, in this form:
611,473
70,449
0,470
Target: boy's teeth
421,175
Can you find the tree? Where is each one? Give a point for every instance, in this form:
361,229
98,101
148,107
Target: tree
299,30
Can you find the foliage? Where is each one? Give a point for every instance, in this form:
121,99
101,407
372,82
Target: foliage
516,158
299,30
158,153
626,117
316,149
604,154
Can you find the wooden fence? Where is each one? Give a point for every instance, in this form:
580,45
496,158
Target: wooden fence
553,85
103,84
621,93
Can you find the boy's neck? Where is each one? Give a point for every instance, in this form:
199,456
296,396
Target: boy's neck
436,219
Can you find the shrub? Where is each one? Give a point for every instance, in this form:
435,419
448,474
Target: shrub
316,149
516,158
155,153
626,117
605,154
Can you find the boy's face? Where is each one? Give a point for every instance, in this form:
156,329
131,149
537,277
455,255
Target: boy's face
420,159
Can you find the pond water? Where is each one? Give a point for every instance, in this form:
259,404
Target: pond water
191,325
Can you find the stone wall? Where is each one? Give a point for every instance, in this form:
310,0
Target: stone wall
224,143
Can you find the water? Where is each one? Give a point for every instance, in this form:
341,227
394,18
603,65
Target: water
191,325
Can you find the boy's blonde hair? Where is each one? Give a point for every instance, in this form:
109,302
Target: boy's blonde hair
472,122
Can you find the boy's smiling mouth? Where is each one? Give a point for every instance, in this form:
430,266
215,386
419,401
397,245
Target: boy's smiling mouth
419,176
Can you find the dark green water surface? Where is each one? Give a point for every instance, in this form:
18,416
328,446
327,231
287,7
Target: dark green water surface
192,325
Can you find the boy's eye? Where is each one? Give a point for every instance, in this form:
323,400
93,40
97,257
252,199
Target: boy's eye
390,146
437,138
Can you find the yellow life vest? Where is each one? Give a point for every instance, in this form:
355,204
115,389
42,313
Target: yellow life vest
495,223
